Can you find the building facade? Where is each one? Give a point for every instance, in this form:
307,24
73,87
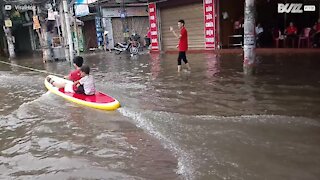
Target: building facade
200,16
122,22
211,23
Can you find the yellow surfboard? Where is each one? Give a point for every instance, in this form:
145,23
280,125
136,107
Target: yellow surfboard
98,101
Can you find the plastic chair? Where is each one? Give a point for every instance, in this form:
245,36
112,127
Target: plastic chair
277,37
304,37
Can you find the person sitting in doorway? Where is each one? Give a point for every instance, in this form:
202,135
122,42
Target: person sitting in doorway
237,27
259,32
291,32
316,35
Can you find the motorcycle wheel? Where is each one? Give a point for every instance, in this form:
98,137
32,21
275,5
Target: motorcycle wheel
134,50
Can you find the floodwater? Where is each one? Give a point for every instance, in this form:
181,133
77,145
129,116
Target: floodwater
211,123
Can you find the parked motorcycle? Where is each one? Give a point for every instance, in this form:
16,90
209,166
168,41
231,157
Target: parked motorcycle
121,47
132,47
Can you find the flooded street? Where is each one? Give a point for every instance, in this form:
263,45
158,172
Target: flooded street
211,123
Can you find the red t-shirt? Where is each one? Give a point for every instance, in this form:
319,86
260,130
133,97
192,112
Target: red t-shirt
75,75
291,30
183,42
149,34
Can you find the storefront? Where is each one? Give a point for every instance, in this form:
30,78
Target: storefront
89,32
267,16
199,16
121,23
231,11
193,16
21,28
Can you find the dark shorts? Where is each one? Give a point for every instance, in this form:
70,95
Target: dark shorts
182,56
80,90
148,41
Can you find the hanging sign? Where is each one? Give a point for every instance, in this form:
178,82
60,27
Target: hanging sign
81,10
36,23
51,15
99,31
209,25
8,23
153,27
85,1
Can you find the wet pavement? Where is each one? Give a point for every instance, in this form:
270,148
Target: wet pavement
211,123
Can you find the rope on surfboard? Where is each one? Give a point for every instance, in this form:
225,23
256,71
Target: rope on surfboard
31,69
38,70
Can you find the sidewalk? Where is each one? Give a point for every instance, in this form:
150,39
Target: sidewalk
258,50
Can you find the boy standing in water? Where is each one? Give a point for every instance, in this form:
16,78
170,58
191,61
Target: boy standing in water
183,44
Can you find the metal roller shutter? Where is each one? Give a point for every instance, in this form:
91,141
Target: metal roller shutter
193,16
139,24
90,34
117,28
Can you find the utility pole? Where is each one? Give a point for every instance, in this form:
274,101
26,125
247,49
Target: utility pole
43,34
64,31
76,41
249,37
46,53
10,41
56,18
99,29
75,30
8,34
67,20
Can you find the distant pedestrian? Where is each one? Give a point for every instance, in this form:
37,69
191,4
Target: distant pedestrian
106,41
183,44
147,38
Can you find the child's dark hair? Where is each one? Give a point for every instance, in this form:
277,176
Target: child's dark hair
181,21
78,60
85,69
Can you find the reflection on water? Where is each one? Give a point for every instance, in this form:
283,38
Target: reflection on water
210,123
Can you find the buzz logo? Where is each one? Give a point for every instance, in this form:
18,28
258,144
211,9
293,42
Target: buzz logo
294,8
290,8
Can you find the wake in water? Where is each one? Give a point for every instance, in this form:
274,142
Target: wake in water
148,121
222,144
49,138
235,147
